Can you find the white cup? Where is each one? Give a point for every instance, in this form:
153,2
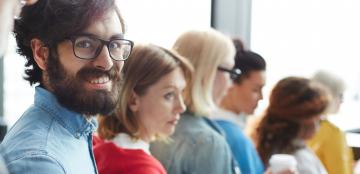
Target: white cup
281,162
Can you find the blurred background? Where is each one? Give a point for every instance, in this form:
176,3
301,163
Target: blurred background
296,37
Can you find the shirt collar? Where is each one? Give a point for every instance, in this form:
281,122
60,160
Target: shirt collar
74,122
221,114
123,140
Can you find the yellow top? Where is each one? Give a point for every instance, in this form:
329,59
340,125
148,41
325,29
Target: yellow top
330,146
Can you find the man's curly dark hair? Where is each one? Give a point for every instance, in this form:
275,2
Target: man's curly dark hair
52,21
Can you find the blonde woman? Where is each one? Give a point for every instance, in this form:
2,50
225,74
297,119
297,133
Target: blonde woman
330,138
151,101
198,145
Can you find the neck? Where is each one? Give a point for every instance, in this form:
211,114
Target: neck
228,104
146,137
45,82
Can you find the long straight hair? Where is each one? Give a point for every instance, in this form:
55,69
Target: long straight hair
146,65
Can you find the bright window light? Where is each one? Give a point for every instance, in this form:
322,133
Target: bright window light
299,37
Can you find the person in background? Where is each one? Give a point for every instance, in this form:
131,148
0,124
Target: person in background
329,142
150,107
8,10
198,145
292,117
75,51
240,101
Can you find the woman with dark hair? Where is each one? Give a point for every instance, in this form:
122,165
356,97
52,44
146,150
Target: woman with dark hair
293,116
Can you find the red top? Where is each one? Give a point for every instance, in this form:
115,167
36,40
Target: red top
112,159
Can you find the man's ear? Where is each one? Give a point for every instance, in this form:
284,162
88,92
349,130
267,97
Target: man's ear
134,102
40,53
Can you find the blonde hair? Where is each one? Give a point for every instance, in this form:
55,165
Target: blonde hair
205,50
335,86
146,65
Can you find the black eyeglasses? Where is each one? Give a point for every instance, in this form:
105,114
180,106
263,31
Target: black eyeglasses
234,73
89,47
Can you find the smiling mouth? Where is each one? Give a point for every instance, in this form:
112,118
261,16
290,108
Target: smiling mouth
100,80
100,83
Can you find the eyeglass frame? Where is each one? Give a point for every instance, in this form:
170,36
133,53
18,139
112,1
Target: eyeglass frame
234,73
103,42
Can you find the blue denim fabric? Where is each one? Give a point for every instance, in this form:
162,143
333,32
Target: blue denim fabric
50,139
196,148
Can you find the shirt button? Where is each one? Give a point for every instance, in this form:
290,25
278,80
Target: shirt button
77,135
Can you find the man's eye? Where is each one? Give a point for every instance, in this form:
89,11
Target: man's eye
115,45
84,44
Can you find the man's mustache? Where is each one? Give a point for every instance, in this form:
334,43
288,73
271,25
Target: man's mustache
89,72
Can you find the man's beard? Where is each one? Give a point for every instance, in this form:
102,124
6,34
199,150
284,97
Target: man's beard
71,93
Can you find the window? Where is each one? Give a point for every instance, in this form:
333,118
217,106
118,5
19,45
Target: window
301,36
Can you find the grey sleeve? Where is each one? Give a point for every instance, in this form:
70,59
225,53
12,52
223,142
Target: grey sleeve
210,155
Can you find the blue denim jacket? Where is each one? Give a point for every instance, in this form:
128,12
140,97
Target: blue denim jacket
49,139
197,147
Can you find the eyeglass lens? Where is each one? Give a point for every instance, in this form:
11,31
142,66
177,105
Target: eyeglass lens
89,48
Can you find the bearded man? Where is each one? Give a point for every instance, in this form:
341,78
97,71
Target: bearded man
75,51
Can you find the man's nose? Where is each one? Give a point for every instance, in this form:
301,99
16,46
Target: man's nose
103,60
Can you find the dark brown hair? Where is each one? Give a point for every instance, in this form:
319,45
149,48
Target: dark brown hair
247,61
292,100
52,21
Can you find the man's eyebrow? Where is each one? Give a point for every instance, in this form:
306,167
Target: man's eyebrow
117,36
86,34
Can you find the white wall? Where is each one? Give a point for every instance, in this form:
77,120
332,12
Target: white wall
162,21
298,37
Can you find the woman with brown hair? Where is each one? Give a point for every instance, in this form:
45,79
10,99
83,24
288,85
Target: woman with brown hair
293,115
151,101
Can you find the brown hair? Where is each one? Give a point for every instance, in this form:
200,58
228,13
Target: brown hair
146,65
292,100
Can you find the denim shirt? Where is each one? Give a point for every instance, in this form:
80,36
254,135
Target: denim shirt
50,139
196,147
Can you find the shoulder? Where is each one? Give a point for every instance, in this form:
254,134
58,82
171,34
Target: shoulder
329,127
202,140
307,161
109,150
233,133
328,132
35,163
200,133
29,135
305,156
34,120
108,157
227,124
191,135
230,128
35,133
